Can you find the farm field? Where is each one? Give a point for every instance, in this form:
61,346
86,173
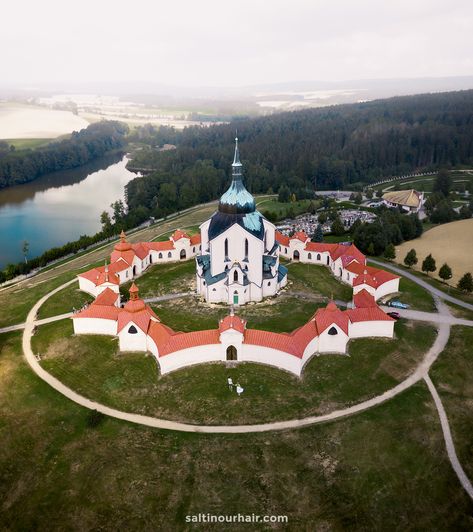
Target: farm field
451,243
19,121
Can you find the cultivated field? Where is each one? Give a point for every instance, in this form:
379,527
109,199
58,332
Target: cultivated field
18,121
451,243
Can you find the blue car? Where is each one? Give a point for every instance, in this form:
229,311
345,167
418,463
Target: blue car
397,304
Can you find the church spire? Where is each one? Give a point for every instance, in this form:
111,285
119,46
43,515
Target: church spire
236,165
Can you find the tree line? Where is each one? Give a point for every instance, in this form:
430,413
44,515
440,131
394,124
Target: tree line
329,148
22,166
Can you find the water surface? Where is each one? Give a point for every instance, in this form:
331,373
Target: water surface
59,207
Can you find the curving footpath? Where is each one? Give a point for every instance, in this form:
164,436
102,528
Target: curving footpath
421,373
434,291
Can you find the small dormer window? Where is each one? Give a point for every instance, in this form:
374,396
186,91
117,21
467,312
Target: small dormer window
332,331
132,330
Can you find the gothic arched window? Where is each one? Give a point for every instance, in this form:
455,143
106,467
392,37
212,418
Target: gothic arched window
235,276
132,329
332,331
226,248
246,248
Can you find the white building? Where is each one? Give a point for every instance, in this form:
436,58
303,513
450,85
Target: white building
345,261
240,256
139,329
129,261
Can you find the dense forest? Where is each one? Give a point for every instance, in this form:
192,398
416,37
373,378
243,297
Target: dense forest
83,146
329,148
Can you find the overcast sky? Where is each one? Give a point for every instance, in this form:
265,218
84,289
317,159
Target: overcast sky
233,43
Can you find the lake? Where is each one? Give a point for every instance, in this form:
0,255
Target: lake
59,207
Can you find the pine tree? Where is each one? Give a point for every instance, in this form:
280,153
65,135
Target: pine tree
390,252
465,284
318,235
445,272
337,227
428,264
411,258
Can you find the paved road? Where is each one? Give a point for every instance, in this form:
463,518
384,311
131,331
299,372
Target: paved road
424,284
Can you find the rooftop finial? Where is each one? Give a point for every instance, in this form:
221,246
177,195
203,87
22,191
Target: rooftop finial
106,271
236,158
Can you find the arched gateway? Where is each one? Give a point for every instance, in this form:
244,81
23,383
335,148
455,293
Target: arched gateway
231,352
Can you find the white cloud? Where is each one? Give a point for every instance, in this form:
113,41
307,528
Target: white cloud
234,43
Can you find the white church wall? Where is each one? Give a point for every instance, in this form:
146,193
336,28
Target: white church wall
87,286
364,329
132,342
94,326
188,357
386,288
271,357
333,343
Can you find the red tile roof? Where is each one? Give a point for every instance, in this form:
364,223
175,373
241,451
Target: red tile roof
167,341
140,251
300,235
364,299
281,342
319,247
98,276
160,246
232,322
140,317
118,266
368,314
103,312
196,239
365,279
331,314
178,234
106,297
282,239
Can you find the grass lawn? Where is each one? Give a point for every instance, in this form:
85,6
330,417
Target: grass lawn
460,312
381,470
319,280
281,314
64,301
16,302
415,296
159,279
437,283
93,366
309,287
452,375
23,144
282,210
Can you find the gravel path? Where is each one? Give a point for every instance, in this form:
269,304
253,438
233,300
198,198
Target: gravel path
424,284
443,320
447,436
419,374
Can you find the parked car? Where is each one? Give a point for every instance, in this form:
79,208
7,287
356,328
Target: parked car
394,315
397,304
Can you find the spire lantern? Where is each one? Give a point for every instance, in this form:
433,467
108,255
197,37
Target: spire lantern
133,292
236,165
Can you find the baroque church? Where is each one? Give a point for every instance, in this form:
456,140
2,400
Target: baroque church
239,260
